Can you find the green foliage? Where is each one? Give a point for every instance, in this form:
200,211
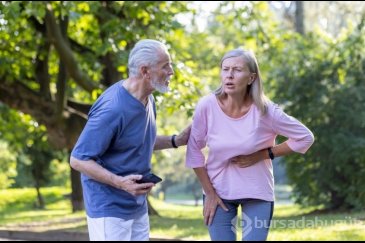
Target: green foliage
7,166
98,28
320,82
28,147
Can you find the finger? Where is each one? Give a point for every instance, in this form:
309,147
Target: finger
143,186
206,215
221,203
206,218
188,128
143,191
244,165
134,177
211,217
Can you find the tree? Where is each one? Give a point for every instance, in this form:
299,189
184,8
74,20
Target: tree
319,80
28,143
57,57
299,17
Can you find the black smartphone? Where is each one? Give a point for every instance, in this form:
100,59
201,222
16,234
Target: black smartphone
150,178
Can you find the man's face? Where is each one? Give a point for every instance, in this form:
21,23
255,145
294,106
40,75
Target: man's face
161,73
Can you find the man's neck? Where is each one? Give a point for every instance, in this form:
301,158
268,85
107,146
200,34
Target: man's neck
138,89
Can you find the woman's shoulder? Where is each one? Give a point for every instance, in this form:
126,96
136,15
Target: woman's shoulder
270,108
206,100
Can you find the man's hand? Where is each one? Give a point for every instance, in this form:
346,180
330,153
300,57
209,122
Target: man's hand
183,137
128,184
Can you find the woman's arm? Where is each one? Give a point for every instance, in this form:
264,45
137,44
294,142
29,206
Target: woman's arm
300,138
212,200
251,159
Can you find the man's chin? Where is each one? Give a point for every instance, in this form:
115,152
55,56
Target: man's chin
163,90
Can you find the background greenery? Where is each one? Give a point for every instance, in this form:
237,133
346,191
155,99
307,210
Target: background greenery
57,57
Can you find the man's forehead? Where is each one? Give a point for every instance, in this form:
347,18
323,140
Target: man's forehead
165,57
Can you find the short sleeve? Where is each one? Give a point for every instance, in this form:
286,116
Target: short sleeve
300,138
197,140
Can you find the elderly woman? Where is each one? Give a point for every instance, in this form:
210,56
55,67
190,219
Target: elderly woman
239,124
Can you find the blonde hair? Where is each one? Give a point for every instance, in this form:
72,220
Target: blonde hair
255,90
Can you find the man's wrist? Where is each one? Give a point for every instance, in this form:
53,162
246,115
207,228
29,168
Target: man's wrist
173,141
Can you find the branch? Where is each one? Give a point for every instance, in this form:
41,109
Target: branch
41,69
19,97
110,72
65,53
61,78
80,107
79,48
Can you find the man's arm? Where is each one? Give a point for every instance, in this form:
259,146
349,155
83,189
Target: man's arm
100,174
165,142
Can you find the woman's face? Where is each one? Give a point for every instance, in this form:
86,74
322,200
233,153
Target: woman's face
235,76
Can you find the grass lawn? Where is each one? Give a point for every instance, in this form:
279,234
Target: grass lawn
290,222
17,211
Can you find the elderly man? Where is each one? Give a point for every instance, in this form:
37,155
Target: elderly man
115,148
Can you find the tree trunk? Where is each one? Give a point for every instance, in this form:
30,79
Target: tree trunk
40,201
76,194
151,210
299,17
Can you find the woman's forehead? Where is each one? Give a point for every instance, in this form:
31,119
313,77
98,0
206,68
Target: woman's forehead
234,61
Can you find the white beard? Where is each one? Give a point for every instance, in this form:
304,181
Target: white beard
159,87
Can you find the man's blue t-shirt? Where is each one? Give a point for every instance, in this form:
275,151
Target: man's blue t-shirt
119,135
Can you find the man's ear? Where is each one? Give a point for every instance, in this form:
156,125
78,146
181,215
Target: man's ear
144,71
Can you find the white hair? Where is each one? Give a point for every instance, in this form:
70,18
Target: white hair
144,53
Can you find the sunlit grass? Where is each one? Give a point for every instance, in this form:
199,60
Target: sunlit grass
290,222
295,223
179,222
18,211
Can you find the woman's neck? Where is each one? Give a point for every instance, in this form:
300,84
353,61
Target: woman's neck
235,106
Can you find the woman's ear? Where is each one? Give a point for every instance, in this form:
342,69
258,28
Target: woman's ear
253,78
